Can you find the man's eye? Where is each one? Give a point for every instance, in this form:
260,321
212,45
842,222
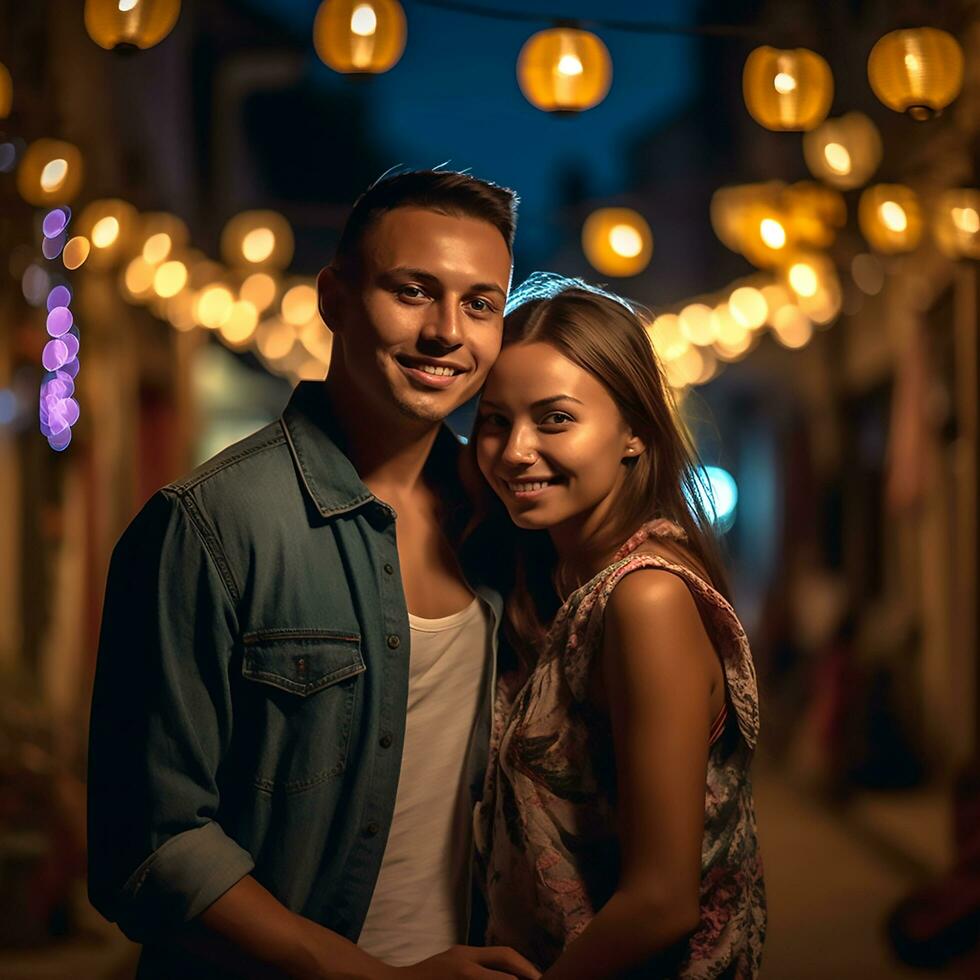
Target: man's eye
481,305
557,418
411,292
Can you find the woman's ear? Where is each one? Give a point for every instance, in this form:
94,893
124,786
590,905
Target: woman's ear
328,290
634,447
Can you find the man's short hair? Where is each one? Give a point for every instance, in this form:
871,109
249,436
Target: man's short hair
443,191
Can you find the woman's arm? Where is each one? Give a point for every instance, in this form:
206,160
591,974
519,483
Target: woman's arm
657,671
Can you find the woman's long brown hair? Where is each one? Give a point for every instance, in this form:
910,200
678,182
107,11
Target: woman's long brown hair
605,337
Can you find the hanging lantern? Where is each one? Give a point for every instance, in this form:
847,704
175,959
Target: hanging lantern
50,172
844,152
617,241
890,218
110,225
6,92
918,71
130,23
787,90
957,223
359,36
564,70
816,213
257,240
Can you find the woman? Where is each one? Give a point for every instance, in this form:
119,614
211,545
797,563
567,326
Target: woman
617,829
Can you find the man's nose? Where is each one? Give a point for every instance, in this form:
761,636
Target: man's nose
443,326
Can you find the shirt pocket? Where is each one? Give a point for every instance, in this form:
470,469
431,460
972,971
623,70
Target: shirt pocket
300,686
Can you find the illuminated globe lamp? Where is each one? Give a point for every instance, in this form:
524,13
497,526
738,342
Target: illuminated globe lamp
110,225
564,70
359,36
843,152
130,24
787,90
890,218
917,71
956,226
617,241
50,173
6,91
257,240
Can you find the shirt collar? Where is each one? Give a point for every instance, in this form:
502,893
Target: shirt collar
325,471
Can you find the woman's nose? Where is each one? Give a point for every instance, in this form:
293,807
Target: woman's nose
520,448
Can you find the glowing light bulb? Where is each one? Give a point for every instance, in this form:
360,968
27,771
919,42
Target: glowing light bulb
784,83
299,305
570,65
53,175
105,231
258,244
749,307
363,20
157,248
967,220
259,289
837,157
893,215
169,279
913,63
75,252
125,6
803,279
625,240
772,232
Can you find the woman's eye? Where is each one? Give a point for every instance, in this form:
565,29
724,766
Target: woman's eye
557,418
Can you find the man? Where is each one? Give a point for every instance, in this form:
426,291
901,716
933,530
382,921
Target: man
255,703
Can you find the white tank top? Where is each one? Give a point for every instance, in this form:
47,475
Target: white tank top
421,900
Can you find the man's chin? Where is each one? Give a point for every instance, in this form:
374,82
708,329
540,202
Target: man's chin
432,408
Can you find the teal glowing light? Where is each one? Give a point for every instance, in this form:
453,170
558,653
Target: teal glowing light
719,496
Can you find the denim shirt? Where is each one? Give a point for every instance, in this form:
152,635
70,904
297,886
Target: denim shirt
249,707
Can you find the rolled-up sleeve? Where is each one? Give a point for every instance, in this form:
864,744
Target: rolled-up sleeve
161,724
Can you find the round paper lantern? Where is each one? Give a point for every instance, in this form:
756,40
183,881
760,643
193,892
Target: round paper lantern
50,172
564,70
130,23
257,240
359,36
111,226
890,218
6,92
956,225
617,241
918,71
787,90
844,152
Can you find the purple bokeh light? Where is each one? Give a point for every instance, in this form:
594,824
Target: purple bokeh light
59,296
71,368
54,355
60,320
71,342
51,247
54,223
59,442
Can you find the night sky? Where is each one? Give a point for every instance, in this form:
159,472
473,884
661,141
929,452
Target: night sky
454,97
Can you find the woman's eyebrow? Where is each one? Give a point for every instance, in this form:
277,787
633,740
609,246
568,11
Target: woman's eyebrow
555,398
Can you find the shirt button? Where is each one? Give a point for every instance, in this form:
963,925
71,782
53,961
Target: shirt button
385,741
394,641
389,568
371,829
301,665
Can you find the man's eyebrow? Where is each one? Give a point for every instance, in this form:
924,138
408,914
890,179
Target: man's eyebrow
413,273
541,402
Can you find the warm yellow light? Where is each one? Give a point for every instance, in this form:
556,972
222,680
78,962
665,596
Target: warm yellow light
792,328
126,5
893,215
966,219
169,279
837,157
686,369
259,289
363,20
727,329
6,92
274,339
917,70
772,232
240,324
359,38
53,175
956,222
564,69
258,244
75,252
787,90
179,310
138,278
803,278
748,307
318,340
697,324
617,241
157,247
130,23
666,337
626,241
776,296
734,349
105,231
784,83
299,304
213,306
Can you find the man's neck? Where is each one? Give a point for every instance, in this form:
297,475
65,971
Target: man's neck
388,450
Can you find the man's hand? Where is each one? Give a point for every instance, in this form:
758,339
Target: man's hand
471,963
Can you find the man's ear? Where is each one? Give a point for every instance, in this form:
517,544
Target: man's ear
328,290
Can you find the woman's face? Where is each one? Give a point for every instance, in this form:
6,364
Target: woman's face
550,440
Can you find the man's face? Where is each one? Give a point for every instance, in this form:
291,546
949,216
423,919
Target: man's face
422,318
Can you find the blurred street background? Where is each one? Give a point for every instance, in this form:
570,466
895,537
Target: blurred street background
789,187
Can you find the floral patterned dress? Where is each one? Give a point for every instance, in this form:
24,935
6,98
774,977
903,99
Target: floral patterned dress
545,827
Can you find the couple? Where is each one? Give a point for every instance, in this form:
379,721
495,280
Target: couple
370,704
